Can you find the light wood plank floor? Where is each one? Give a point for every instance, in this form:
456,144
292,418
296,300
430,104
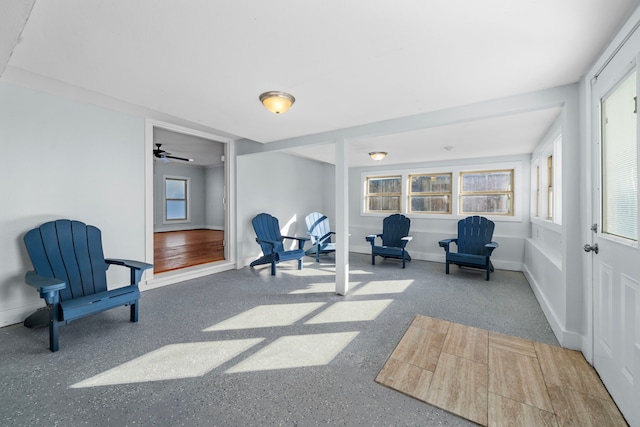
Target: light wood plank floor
179,249
497,380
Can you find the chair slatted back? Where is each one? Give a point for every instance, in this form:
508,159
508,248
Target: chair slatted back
473,233
70,251
317,227
394,228
267,227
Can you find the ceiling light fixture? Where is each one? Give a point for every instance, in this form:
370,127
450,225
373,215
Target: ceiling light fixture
378,155
277,102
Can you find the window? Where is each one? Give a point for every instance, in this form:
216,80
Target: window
550,187
620,162
430,193
537,192
443,192
176,201
383,194
546,180
486,192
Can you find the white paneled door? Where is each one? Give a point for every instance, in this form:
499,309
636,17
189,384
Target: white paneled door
614,245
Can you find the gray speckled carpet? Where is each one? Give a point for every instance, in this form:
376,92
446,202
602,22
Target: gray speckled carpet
243,348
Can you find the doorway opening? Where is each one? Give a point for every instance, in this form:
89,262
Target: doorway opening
189,200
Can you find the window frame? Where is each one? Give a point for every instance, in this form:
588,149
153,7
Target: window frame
510,193
411,194
367,195
187,199
520,193
546,184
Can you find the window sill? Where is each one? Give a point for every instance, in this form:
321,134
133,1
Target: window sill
547,224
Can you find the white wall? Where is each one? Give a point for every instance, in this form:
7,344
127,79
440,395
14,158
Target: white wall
285,186
553,262
65,159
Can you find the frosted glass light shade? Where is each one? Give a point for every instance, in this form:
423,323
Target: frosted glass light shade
378,155
277,102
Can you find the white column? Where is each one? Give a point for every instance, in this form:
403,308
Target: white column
342,217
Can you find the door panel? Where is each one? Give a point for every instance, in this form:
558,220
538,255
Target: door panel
616,264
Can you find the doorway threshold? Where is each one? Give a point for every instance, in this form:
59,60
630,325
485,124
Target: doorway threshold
175,276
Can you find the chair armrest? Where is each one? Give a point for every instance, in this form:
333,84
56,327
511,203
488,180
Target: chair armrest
269,242
136,268
138,265
301,240
372,237
447,242
326,236
42,283
49,287
405,240
490,247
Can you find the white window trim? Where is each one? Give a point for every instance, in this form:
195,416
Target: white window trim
518,191
553,147
164,200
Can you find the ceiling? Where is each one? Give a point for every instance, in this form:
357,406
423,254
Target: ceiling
347,63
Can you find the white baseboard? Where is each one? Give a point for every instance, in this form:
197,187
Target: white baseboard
567,339
18,314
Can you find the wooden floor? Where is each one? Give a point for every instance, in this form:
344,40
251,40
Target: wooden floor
497,380
178,249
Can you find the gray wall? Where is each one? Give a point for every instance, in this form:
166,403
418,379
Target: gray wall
214,208
197,195
206,195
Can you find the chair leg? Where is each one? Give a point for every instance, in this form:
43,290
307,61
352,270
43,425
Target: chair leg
373,259
134,312
53,328
488,272
318,253
300,264
403,258
446,268
273,268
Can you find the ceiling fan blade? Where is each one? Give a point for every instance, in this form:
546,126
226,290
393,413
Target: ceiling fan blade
178,158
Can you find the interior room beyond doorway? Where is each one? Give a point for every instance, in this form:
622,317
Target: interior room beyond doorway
189,200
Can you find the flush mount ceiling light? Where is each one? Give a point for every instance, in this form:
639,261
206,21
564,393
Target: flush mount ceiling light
378,155
277,102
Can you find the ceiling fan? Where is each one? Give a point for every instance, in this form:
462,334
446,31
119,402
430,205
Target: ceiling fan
159,153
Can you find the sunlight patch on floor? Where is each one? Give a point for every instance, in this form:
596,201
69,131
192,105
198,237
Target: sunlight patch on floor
383,287
351,311
265,316
306,272
353,271
296,352
316,288
172,362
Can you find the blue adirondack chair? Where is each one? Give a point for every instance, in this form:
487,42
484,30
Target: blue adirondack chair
394,236
71,275
320,234
267,230
474,244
